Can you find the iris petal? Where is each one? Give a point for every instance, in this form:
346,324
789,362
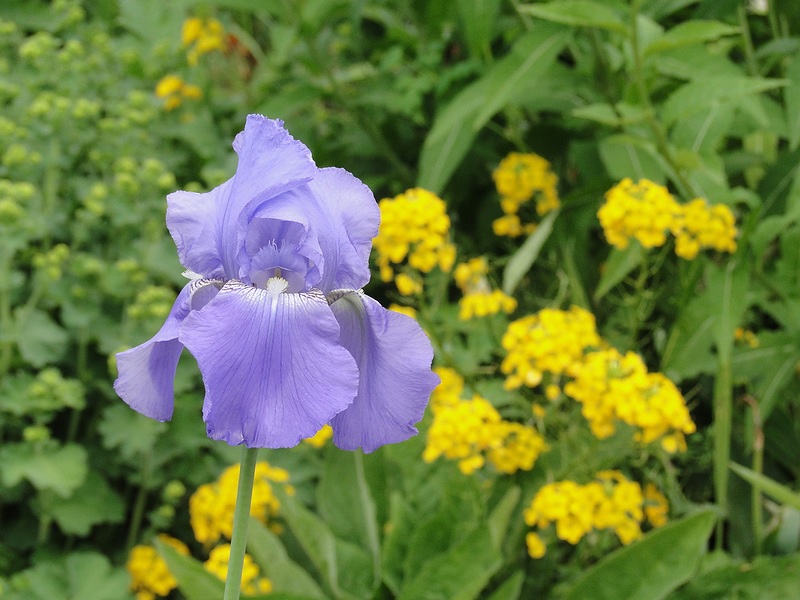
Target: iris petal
272,365
394,362
146,372
209,229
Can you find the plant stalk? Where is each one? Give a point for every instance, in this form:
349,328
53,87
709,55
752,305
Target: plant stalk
241,519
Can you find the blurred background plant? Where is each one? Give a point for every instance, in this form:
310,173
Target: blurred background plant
593,208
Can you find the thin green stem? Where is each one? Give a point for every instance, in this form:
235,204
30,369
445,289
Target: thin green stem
757,466
749,53
6,343
723,416
684,186
241,519
139,504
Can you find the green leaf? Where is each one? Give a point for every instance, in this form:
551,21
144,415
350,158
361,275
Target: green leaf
578,13
698,94
510,588
477,18
460,573
458,123
500,517
93,503
727,288
651,567
765,577
522,260
345,502
614,116
662,8
619,264
128,432
773,489
791,97
79,575
629,156
688,351
194,581
39,339
286,575
689,33
60,469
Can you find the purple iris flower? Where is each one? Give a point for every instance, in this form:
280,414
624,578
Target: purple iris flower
274,314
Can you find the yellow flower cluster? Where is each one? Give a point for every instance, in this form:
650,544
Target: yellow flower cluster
610,502
747,337
319,439
414,227
611,386
699,226
150,576
647,212
551,341
518,178
211,506
202,36
472,432
174,90
252,583
479,298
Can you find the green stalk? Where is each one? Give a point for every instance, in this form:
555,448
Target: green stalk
241,518
6,343
723,415
139,504
757,466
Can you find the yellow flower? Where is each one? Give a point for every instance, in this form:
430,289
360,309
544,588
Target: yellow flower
479,298
645,211
414,229
409,311
150,576
698,225
252,583
656,506
211,506
518,178
536,547
407,285
319,439
174,90
202,36
550,341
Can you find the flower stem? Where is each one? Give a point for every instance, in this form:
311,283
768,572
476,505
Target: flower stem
241,518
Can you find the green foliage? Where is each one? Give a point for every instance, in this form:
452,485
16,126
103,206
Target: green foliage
702,97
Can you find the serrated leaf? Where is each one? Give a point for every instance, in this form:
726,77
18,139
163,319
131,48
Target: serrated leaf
128,432
577,13
286,575
522,260
458,123
79,575
60,469
194,581
651,567
93,503
39,339
689,33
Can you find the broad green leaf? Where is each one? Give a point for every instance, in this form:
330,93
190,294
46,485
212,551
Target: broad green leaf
663,8
700,93
791,97
689,33
128,432
522,260
615,116
727,289
628,156
767,577
773,489
703,132
688,351
194,581
93,503
460,573
578,13
39,339
345,502
60,469
458,123
286,575
501,516
619,264
78,575
651,567
396,541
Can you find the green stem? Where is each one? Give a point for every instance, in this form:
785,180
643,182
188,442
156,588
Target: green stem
684,186
137,516
6,343
241,518
749,53
723,415
758,466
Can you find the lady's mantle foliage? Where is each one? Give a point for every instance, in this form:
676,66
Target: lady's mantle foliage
284,338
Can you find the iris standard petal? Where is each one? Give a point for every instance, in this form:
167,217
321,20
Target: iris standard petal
146,372
209,229
272,365
394,362
345,220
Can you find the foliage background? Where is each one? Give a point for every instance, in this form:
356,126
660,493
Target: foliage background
702,96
